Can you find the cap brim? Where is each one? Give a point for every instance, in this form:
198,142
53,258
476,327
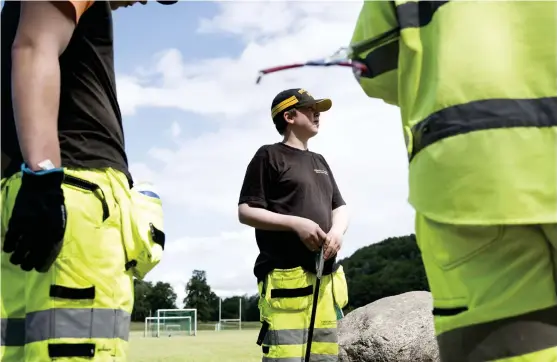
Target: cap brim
167,2
321,105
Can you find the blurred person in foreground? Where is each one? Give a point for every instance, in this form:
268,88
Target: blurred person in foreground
476,83
70,238
290,197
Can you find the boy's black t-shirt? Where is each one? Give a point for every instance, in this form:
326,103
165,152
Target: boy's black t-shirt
289,181
90,127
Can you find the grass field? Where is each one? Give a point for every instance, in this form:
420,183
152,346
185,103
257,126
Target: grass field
207,346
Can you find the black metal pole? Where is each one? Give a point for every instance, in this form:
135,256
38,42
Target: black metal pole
319,272
312,320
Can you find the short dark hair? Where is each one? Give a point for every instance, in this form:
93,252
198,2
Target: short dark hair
280,122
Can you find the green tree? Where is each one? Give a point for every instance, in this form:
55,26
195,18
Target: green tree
213,307
141,306
230,308
161,296
200,296
390,267
251,310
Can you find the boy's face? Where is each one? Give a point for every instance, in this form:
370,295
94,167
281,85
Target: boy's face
305,121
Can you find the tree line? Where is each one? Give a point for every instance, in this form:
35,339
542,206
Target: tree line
390,267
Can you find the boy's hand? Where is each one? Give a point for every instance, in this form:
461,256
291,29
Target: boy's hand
333,243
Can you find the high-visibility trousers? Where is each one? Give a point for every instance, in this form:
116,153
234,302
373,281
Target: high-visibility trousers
80,309
494,290
285,305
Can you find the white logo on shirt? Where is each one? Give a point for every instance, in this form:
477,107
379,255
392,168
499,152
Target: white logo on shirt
320,171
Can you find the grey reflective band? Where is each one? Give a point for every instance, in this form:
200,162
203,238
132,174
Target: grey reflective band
483,115
12,332
509,337
299,336
417,14
313,358
65,323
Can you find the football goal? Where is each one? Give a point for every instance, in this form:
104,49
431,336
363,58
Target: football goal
229,323
172,322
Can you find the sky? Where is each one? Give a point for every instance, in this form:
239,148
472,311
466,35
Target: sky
194,117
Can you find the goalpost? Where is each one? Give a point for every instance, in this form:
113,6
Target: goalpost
222,322
168,326
172,322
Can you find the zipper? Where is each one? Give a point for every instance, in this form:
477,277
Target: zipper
89,186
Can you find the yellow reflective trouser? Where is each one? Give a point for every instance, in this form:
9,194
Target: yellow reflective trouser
80,310
494,290
285,304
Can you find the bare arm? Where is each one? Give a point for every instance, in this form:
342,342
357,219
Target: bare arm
340,211
264,219
45,29
340,219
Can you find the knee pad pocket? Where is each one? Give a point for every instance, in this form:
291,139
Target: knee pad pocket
449,246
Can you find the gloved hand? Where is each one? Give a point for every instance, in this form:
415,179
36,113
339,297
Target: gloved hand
36,228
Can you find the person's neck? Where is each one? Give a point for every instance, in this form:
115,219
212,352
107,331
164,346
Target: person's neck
292,140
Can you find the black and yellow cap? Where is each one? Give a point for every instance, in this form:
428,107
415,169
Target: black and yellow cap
296,98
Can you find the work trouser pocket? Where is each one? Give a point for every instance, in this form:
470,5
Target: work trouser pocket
145,241
285,305
340,288
289,289
87,187
451,246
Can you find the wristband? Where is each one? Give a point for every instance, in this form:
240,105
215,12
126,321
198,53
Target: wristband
46,168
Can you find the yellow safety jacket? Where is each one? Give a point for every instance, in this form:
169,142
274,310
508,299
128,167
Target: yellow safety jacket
476,83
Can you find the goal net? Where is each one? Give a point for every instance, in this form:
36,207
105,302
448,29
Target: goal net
172,322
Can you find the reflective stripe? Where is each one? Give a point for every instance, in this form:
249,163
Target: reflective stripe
66,323
381,60
384,58
417,14
12,332
313,358
509,337
77,323
483,115
299,336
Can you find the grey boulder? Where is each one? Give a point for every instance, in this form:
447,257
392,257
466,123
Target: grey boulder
398,328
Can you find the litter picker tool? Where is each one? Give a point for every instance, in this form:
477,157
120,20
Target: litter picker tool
319,273
343,57
339,58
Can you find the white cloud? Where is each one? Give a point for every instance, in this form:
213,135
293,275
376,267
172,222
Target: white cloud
175,130
361,138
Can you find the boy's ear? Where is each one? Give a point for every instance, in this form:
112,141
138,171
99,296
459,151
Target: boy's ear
288,118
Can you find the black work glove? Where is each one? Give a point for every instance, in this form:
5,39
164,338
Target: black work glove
36,228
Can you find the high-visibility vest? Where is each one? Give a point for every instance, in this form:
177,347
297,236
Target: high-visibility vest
476,83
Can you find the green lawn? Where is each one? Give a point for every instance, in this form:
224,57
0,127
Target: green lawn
229,345
207,346
202,326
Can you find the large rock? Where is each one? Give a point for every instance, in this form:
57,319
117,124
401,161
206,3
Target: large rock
398,328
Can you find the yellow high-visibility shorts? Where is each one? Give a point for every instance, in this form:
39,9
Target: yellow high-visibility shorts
494,290
80,309
285,305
